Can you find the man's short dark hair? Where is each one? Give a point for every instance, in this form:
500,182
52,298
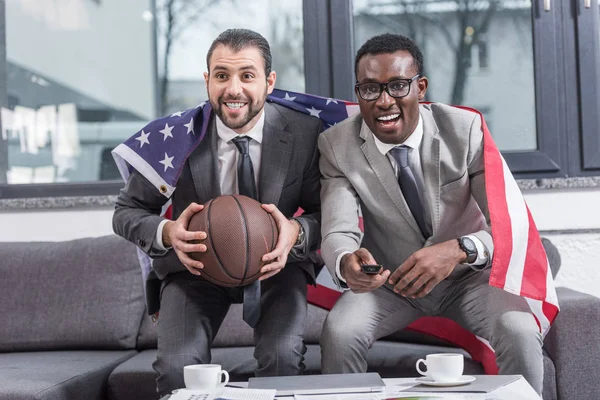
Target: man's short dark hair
390,43
239,39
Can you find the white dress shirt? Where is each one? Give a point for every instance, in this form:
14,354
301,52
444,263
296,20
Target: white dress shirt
228,155
413,142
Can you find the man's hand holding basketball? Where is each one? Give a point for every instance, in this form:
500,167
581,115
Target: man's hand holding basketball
357,280
176,235
288,234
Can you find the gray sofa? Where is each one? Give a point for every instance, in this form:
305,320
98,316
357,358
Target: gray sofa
74,327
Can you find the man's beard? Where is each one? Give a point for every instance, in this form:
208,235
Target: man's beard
252,111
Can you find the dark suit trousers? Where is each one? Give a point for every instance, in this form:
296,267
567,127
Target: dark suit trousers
193,309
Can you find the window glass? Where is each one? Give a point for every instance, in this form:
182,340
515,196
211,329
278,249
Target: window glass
80,79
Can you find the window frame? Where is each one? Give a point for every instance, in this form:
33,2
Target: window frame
550,158
585,25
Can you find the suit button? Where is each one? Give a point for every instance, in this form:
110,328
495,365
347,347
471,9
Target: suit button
141,242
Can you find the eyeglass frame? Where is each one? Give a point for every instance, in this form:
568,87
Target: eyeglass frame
384,86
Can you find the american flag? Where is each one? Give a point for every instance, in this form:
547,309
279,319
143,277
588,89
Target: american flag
519,266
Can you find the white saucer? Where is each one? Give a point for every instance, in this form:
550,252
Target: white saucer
463,380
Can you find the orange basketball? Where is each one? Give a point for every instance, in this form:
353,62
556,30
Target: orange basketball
239,232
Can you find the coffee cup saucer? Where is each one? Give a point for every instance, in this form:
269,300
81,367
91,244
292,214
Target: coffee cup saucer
463,380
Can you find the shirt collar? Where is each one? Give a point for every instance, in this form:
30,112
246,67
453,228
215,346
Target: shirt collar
226,134
413,141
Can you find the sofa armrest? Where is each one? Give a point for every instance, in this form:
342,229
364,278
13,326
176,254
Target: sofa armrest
573,343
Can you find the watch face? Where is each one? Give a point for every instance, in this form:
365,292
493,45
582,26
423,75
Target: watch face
469,245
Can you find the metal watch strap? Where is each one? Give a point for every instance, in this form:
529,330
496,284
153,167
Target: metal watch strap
301,233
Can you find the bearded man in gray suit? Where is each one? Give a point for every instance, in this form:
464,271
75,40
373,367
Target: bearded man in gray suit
416,172
250,146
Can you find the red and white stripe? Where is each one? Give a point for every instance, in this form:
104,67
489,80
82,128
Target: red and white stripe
520,265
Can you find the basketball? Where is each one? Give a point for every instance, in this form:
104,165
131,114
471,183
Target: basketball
239,233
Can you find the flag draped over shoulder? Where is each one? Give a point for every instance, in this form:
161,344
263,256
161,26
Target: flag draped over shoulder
161,148
519,265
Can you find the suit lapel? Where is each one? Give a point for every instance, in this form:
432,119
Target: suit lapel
384,171
203,164
430,163
276,154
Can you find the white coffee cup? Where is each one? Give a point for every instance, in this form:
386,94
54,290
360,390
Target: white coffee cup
443,367
204,376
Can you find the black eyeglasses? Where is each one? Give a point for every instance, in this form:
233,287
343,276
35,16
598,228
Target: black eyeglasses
397,88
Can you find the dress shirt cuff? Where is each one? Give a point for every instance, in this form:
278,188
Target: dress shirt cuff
338,271
159,234
483,256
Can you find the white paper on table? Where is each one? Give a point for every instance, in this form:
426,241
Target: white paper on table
224,394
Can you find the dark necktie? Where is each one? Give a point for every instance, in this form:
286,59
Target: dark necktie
408,185
247,187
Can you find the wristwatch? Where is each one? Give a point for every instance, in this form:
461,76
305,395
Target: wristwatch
301,233
468,246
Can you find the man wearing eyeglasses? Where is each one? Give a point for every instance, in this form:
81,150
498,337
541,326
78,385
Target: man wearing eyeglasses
416,172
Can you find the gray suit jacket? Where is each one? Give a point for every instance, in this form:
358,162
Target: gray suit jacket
356,176
289,178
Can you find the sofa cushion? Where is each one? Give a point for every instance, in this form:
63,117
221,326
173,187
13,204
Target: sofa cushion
79,294
549,391
134,379
59,375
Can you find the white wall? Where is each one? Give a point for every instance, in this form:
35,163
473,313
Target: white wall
52,225
565,209
579,254
553,210
571,210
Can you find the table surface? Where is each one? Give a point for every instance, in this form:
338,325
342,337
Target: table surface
398,387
